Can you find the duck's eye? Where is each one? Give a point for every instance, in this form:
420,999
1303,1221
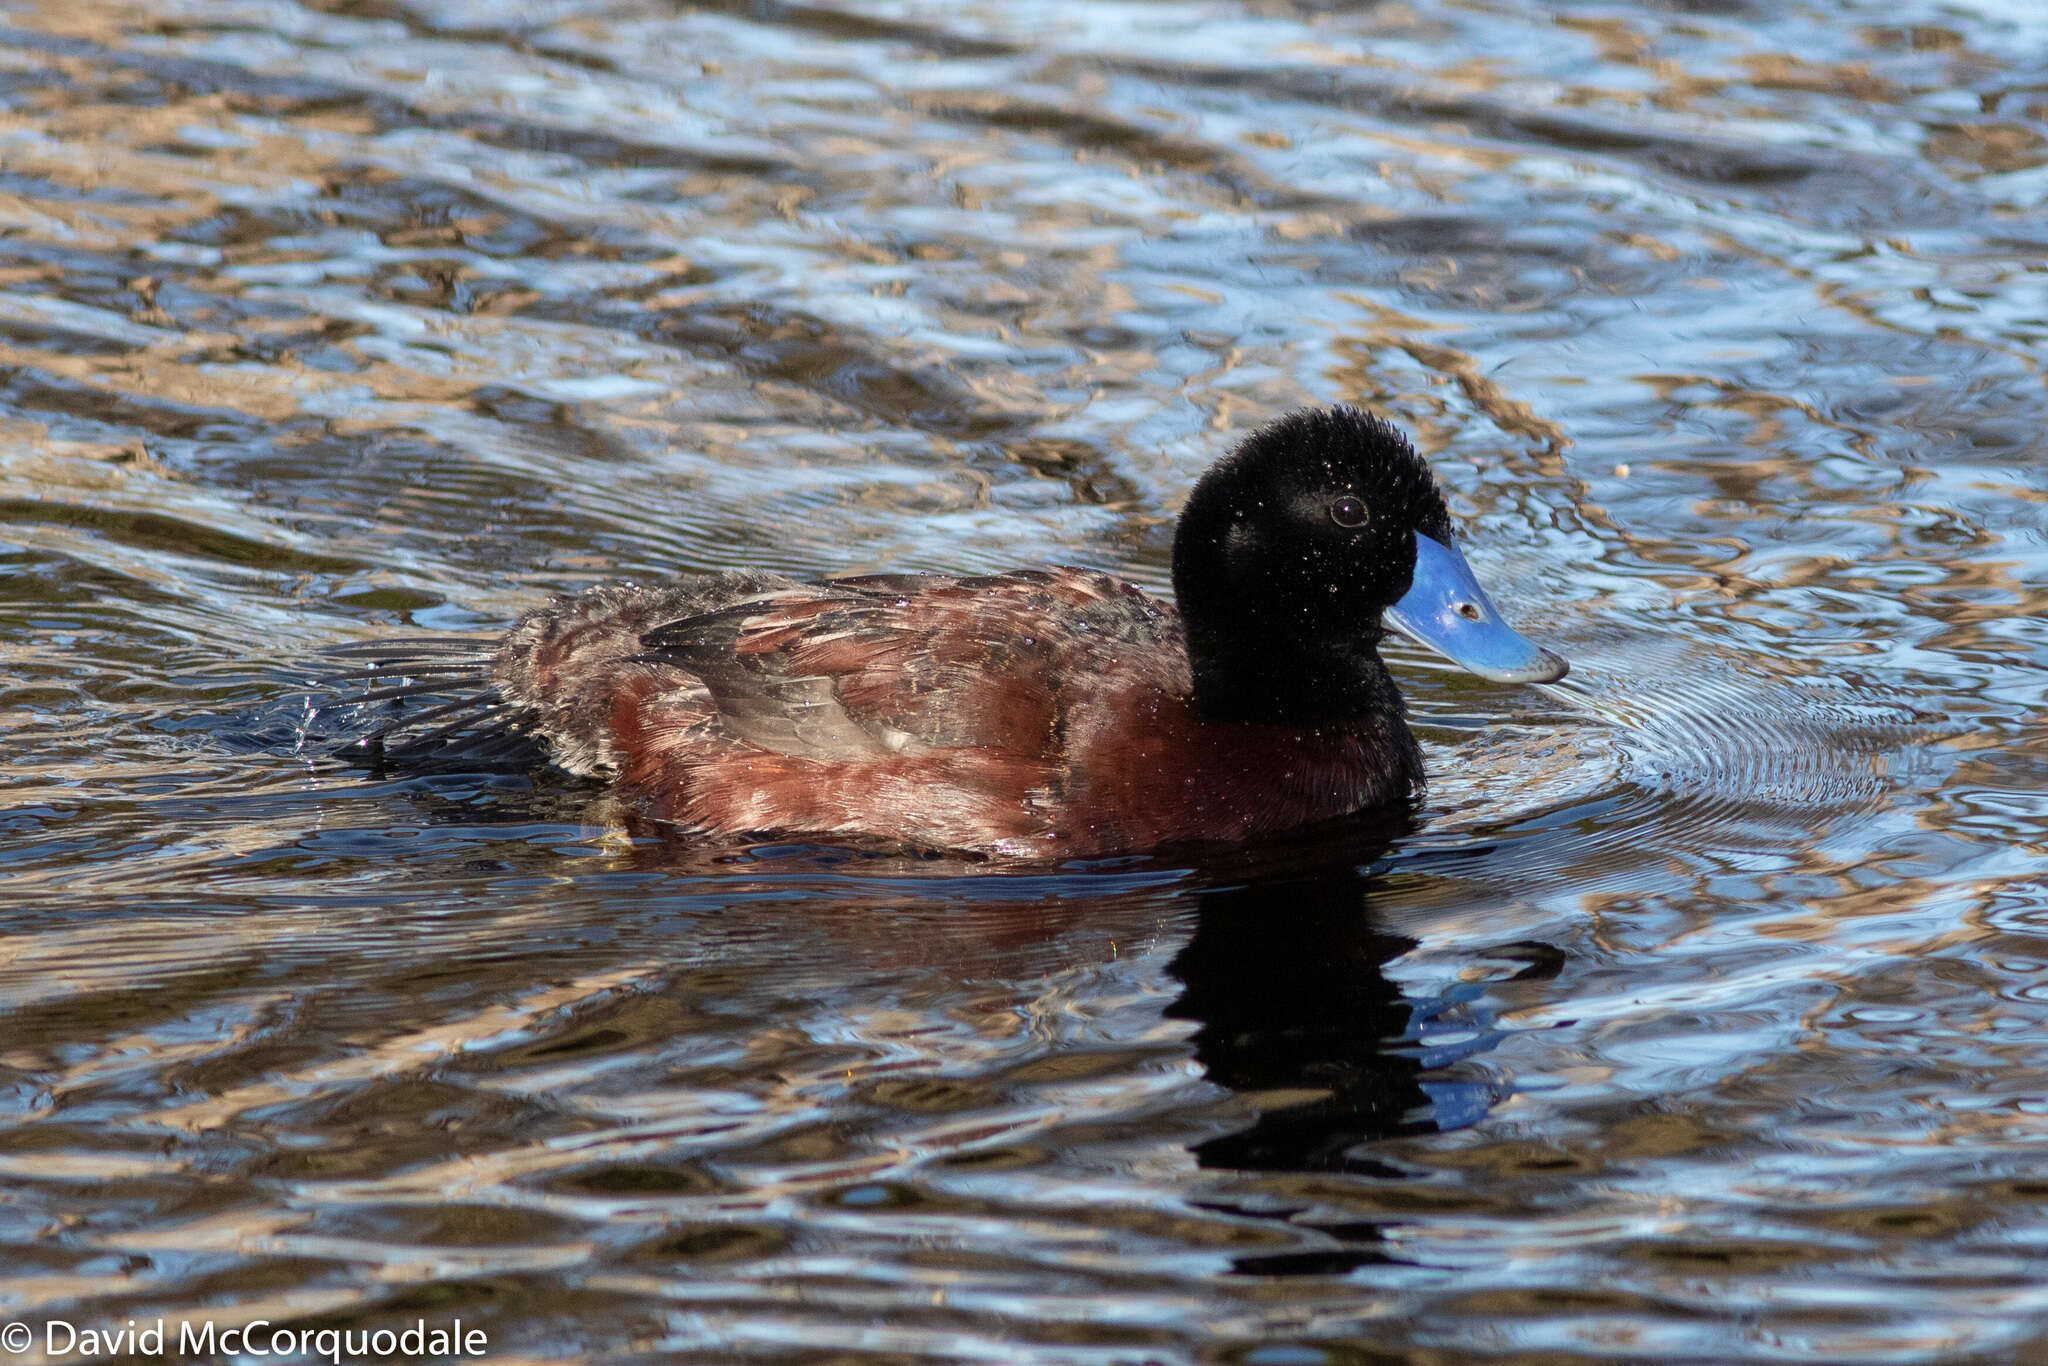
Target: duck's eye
1349,512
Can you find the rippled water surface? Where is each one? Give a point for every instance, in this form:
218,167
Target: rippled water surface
1701,1018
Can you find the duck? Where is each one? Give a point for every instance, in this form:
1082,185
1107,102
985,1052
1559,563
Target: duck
1052,712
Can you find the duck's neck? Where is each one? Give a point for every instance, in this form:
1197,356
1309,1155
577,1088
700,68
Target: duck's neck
1252,677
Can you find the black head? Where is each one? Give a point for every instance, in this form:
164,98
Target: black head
1287,553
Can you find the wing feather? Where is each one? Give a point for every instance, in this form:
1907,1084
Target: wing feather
901,664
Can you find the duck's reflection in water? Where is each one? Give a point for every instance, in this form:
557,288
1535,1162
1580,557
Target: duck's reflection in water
1286,978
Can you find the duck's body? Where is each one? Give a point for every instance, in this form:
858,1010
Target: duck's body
1054,712
1040,711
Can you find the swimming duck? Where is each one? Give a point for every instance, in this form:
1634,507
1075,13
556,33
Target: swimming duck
1043,712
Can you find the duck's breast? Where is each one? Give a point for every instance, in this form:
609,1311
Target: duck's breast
1144,770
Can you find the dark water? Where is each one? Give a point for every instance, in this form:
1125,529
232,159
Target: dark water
1701,1020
